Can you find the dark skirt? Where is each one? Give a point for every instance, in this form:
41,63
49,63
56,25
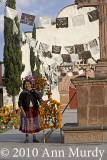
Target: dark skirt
30,124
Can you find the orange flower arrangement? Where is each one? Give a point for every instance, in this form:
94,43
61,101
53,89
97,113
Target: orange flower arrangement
37,82
50,114
8,117
40,83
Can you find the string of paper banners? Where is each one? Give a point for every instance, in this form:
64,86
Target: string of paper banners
75,53
61,22
29,19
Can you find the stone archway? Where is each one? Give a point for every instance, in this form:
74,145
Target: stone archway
65,90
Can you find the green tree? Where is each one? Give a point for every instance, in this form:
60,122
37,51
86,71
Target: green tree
35,73
13,67
32,54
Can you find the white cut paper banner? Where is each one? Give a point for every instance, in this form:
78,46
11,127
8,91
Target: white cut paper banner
69,74
74,57
58,59
49,61
23,37
45,47
95,50
93,43
15,29
44,22
78,20
32,42
11,13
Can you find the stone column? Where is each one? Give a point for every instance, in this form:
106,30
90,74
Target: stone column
103,28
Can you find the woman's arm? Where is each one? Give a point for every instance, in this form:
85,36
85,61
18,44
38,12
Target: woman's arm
40,101
23,112
20,104
39,98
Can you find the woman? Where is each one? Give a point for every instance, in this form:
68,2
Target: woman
30,118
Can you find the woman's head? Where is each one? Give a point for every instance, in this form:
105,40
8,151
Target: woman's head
27,84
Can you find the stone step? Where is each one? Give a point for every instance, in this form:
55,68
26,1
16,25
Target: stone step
84,134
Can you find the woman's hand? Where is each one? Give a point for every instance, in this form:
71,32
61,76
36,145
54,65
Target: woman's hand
23,112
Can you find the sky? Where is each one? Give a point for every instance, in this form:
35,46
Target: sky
38,8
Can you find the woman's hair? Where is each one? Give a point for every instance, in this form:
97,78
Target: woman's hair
25,82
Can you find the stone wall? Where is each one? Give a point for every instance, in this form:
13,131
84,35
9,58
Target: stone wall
64,98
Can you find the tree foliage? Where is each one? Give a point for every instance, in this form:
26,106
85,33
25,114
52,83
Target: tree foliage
35,73
32,54
12,55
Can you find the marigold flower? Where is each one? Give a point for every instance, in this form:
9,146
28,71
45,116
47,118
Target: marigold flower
50,114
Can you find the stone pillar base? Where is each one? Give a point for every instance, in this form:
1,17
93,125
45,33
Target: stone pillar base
80,134
101,70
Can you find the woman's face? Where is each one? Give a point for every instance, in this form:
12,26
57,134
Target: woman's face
28,86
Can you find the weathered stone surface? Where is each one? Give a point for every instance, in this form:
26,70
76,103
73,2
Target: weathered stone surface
64,98
105,136
82,96
83,137
64,92
101,70
75,127
91,112
97,95
84,134
92,115
82,116
102,115
92,103
106,94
